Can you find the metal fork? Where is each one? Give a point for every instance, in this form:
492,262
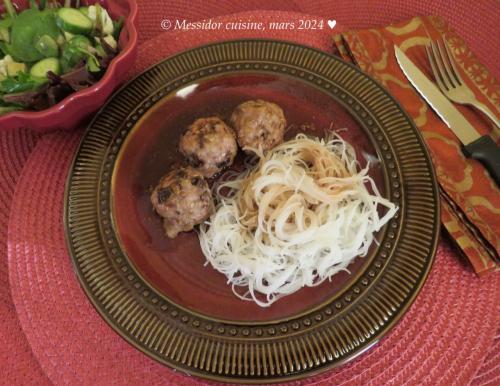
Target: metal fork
449,80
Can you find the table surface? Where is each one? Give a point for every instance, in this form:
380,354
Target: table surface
43,340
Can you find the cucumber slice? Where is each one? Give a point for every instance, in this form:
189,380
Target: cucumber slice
73,21
61,40
111,41
93,64
47,46
80,41
84,10
41,68
68,36
100,51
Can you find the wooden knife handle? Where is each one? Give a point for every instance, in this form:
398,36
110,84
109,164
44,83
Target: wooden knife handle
487,152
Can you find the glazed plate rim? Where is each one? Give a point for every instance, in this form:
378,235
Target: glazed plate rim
279,351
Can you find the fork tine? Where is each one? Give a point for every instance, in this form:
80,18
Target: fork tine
445,59
441,70
456,73
435,71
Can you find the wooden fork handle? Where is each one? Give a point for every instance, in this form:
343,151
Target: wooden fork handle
486,151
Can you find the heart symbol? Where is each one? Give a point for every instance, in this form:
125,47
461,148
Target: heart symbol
332,23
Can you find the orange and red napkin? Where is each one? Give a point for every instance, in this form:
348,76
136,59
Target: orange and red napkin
470,200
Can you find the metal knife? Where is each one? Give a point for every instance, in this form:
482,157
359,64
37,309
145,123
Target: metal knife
481,148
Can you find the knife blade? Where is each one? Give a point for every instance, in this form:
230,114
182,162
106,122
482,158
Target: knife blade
482,148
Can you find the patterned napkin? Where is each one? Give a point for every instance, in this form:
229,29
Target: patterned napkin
470,199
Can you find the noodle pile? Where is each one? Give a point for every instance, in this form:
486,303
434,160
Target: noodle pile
300,216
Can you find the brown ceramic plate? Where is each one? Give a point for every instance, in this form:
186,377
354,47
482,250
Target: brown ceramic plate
158,294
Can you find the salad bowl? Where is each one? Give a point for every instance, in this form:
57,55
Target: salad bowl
75,108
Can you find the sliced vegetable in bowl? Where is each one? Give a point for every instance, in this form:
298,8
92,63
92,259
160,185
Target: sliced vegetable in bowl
52,39
73,21
74,73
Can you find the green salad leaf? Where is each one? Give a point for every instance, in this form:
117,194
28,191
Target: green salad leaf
9,109
118,25
19,83
75,51
26,31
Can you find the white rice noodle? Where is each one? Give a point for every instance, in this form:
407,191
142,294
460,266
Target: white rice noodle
300,216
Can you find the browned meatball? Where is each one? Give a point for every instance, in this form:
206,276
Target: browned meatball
209,145
259,124
183,199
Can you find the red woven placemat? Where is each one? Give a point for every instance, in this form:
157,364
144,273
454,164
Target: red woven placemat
17,365
17,362
489,373
443,338
476,21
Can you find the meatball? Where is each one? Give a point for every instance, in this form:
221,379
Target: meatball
183,199
259,124
209,145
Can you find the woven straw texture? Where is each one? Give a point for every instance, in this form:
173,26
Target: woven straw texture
449,336
18,363
443,338
476,21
